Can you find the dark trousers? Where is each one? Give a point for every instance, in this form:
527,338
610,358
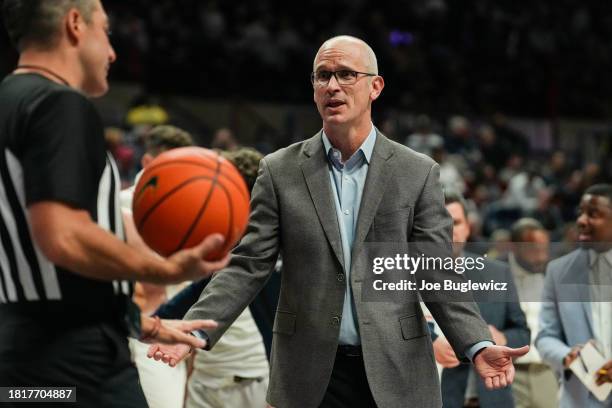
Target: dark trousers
348,386
93,357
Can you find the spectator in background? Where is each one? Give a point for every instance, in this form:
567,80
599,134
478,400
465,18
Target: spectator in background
459,139
557,169
576,306
493,152
224,140
523,189
449,174
535,385
123,153
461,386
423,140
509,138
547,212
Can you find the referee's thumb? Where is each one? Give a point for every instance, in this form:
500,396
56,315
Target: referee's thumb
211,243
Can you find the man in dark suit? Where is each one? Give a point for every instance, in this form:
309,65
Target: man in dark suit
317,202
460,384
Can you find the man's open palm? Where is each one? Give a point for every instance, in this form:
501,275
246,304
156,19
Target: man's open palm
494,365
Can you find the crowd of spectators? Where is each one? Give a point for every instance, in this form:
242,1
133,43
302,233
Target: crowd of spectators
501,175
543,59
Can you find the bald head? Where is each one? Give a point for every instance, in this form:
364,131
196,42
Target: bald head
367,54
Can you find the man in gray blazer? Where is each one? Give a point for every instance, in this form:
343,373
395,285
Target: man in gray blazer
317,202
570,317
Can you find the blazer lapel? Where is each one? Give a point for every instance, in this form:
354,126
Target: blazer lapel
375,186
577,278
315,169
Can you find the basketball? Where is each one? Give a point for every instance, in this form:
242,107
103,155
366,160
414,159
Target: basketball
186,194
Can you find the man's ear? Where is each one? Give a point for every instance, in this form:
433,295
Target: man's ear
74,25
378,83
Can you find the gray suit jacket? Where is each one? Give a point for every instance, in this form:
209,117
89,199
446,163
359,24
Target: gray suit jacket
565,321
293,211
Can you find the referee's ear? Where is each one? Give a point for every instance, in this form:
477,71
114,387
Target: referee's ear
146,159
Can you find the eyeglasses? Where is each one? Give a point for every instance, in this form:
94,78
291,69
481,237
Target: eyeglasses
343,76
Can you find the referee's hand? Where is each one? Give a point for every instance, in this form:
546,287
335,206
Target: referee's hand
190,263
170,354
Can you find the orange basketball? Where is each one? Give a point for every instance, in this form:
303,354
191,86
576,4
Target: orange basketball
186,194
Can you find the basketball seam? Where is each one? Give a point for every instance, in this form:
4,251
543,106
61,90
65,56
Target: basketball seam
200,164
163,198
202,209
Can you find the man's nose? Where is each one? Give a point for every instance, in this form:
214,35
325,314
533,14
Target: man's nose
333,84
112,56
581,221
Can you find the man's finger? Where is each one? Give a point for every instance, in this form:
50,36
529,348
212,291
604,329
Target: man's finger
158,355
152,349
190,340
191,325
496,384
516,352
502,381
489,383
510,374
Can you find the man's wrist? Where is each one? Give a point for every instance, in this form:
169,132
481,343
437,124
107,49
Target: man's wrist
473,351
202,335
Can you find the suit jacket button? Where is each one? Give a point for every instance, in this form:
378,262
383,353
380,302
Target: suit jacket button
340,277
335,321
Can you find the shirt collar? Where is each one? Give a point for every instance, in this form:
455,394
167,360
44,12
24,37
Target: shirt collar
593,256
366,149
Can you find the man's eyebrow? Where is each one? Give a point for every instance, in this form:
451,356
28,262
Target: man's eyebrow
339,68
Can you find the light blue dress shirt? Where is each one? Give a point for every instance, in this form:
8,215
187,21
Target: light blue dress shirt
348,180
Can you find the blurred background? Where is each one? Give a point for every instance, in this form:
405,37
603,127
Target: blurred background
512,98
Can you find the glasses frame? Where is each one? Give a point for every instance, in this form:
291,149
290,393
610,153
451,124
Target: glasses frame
334,74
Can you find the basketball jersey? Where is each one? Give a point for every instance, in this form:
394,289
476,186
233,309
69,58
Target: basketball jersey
52,148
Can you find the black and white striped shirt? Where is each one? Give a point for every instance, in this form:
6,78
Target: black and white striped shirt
52,149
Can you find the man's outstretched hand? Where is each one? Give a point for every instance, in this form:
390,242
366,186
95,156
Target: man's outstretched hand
494,365
171,354
174,332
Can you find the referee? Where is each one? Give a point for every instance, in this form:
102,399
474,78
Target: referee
65,306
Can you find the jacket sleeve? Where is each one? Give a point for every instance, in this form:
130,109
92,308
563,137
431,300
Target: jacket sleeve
456,314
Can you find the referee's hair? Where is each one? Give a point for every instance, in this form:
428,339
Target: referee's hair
166,137
602,189
523,225
38,21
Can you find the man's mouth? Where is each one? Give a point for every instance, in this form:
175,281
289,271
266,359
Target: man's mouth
334,103
584,236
